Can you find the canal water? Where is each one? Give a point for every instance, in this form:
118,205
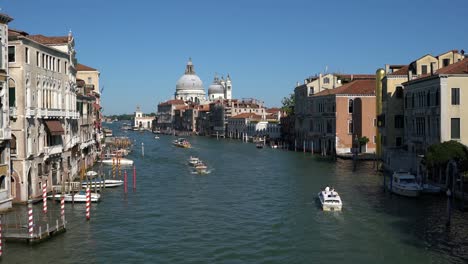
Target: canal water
256,206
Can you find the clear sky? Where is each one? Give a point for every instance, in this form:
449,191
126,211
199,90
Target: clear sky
141,47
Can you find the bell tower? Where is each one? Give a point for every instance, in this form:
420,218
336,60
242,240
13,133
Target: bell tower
228,88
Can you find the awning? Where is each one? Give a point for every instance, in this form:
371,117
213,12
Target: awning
54,127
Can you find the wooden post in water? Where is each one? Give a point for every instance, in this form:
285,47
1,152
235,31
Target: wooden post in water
304,146
134,178
125,182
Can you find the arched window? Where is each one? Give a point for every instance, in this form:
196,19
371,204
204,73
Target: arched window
350,106
399,92
12,93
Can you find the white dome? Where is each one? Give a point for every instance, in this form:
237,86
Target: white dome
215,89
189,82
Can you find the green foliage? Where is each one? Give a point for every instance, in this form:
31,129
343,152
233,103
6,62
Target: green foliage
288,104
441,153
363,141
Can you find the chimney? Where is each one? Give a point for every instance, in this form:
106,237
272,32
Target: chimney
410,75
387,68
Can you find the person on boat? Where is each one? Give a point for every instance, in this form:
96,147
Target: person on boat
327,189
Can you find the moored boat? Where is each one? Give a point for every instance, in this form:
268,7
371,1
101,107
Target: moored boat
404,183
108,183
79,197
122,161
330,200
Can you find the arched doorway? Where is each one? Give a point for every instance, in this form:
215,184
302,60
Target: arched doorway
15,187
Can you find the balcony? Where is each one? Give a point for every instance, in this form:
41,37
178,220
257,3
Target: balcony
13,112
5,134
30,112
53,150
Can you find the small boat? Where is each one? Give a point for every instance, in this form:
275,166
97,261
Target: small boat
330,200
156,137
274,146
122,161
101,183
259,145
193,161
431,189
79,197
182,143
404,184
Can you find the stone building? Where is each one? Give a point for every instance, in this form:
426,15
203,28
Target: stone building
6,181
142,121
44,122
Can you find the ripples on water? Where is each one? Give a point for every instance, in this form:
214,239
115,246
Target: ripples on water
256,206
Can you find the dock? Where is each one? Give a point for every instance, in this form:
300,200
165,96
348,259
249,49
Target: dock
40,233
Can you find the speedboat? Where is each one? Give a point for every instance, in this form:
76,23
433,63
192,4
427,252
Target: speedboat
404,183
101,183
122,161
330,200
79,197
193,161
182,143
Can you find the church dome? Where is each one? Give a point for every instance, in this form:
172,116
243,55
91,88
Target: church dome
216,87
189,81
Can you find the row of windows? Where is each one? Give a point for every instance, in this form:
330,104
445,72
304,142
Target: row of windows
42,60
424,99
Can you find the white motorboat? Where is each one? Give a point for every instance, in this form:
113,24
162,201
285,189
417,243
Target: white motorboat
193,161
330,200
101,183
79,197
156,137
404,183
122,161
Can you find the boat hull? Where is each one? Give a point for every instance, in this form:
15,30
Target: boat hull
405,192
99,184
122,162
78,198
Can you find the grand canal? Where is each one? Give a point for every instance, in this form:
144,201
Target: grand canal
256,206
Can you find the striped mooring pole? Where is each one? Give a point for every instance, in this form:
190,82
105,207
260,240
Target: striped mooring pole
134,178
30,220
88,203
62,207
44,198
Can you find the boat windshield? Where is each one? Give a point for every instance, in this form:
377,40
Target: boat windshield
407,181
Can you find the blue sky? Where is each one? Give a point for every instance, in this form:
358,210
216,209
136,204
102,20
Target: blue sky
141,47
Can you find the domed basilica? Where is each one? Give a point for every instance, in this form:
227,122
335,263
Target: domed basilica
189,87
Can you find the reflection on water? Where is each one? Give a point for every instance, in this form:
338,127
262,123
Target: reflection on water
256,206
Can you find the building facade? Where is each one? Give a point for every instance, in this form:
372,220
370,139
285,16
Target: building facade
43,102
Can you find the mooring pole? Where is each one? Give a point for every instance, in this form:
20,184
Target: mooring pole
125,182
142,149
134,178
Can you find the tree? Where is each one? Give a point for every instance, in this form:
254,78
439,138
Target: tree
439,154
363,141
288,104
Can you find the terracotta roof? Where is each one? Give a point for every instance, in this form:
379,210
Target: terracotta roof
173,102
247,115
356,76
354,87
460,67
82,67
14,32
181,107
49,40
273,110
402,71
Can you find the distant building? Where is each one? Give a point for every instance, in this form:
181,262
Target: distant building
165,115
189,87
142,121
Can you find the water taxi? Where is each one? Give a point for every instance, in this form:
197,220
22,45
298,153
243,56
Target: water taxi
122,161
193,161
330,200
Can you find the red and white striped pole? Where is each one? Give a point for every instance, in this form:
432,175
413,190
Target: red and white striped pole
62,207
125,182
134,178
1,248
88,203
44,198
30,220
